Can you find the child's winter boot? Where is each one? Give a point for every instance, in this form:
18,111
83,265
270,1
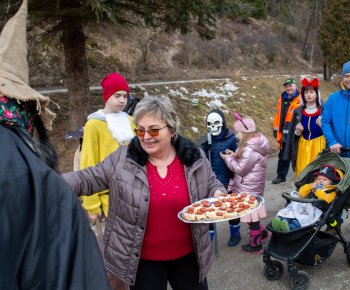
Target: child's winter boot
235,235
255,243
265,233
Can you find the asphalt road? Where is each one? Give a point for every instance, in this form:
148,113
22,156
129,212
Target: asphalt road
234,269
237,270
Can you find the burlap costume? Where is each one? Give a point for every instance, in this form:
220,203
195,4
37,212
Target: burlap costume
14,77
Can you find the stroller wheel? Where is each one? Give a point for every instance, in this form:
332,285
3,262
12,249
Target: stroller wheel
300,285
276,272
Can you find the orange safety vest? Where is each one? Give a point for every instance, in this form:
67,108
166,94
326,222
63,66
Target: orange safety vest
282,126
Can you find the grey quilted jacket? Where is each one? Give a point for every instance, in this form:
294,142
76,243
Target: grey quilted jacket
124,173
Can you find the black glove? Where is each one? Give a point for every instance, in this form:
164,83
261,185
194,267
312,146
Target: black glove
206,147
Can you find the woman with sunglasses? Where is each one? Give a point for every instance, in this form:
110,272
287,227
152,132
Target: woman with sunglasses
150,181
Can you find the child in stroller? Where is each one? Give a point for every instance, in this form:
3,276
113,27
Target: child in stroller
309,245
296,215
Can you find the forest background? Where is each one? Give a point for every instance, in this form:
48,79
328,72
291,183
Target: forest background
251,46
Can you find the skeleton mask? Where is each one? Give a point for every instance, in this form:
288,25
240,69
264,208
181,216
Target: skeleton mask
215,123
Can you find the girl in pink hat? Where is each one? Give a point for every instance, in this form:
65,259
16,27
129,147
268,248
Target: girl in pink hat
249,164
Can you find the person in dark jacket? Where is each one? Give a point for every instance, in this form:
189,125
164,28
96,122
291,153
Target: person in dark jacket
287,103
305,138
222,138
46,242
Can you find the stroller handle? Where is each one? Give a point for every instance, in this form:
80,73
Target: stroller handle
344,149
328,150
287,196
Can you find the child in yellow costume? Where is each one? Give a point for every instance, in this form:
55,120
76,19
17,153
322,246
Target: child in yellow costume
104,132
297,214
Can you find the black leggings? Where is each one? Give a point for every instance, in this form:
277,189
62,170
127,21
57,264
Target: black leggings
182,274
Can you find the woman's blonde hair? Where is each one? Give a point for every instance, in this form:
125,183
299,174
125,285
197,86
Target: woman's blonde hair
162,108
246,137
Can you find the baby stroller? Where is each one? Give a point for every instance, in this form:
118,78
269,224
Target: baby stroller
308,245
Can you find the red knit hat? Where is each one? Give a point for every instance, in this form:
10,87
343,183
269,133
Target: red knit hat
113,83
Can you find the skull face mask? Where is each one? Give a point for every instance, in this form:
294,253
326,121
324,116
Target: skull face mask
215,123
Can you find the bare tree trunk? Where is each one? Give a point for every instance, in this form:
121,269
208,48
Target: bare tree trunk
190,48
308,31
73,40
7,10
315,37
326,72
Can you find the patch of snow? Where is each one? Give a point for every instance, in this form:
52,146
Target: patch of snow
243,94
202,93
215,104
254,87
244,78
228,87
254,97
241,100
184,90
176,93
195,129
309,77
195,101
157,90
213,95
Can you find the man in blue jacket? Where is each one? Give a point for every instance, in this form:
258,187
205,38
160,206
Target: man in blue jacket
336,121
222,138
336,115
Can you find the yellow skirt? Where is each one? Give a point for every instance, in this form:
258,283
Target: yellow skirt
307,151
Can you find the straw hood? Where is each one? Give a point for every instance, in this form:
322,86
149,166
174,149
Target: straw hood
14,66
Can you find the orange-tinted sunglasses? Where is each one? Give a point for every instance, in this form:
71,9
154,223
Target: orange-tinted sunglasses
152,132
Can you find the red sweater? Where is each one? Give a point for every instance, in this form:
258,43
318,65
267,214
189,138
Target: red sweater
166,237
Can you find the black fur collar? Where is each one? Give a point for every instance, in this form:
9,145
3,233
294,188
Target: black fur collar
186,150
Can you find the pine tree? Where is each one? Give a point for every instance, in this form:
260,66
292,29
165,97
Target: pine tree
334,33
68,18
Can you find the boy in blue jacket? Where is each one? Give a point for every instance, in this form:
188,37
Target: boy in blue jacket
222,138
